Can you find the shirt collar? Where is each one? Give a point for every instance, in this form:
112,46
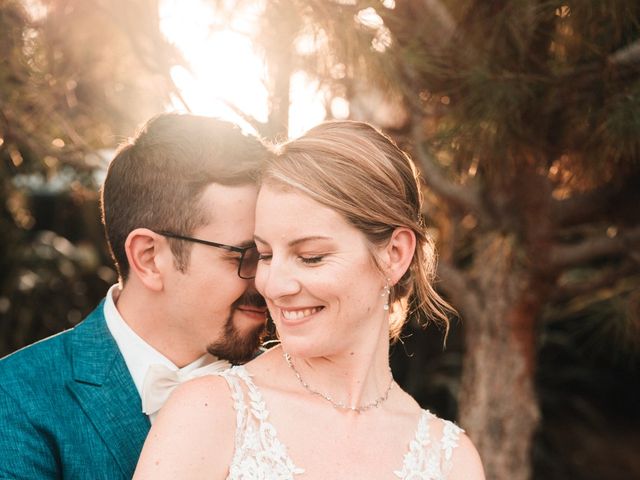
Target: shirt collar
138,354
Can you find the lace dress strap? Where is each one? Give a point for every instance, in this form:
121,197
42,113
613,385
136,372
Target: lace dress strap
258,452
450,436
429,458
239,404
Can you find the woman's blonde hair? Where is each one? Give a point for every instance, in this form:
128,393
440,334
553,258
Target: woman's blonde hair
361,173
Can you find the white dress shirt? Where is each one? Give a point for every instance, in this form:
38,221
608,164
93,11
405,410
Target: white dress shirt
138,354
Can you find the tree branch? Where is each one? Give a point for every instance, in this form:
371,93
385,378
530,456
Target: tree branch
465,198
607,202
626,55
580,208
260,127
565,256
595,282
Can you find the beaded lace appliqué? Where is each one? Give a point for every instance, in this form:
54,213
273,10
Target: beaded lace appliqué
427,458
259,455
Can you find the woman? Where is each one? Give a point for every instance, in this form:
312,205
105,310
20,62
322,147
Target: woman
342,249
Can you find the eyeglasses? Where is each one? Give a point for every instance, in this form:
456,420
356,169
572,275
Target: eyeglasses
248,255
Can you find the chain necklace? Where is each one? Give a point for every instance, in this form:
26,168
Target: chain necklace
340,405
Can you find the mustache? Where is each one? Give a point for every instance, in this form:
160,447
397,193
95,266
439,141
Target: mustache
251,299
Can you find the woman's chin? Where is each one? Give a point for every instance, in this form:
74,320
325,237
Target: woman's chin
301,348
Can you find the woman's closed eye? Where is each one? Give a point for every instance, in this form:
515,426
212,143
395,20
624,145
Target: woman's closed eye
306,259
310,260
264,257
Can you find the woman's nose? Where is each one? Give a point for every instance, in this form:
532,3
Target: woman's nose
276,280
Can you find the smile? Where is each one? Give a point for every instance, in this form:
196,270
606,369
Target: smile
299,314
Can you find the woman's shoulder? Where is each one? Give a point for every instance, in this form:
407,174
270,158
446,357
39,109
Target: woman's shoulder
198,414
200,393
457,448
445,431
466,463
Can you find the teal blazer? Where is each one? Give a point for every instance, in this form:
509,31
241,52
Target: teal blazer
69,408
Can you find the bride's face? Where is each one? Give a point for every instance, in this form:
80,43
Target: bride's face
318,276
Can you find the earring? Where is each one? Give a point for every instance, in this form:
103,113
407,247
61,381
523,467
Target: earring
386,292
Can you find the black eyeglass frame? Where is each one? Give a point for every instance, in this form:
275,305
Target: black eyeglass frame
231,248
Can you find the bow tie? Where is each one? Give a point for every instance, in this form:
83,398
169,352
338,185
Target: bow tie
160,381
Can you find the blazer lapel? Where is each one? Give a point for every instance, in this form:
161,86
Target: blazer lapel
104,388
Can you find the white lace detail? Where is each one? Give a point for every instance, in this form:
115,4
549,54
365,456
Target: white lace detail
428,458
259,455
450,435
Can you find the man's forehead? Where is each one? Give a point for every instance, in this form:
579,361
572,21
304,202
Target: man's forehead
221,198
229,212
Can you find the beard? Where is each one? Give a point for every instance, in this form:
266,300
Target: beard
234,346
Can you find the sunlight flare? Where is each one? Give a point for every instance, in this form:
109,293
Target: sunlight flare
224,70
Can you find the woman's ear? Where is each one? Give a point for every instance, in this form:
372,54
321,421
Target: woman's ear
399,253
143,248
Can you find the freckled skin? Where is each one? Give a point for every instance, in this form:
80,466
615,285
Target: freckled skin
340,280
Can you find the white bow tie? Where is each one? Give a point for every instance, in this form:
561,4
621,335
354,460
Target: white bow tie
160,381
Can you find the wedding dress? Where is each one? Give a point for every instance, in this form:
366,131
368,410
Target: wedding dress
259,455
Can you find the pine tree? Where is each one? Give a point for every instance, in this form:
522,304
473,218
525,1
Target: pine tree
524,117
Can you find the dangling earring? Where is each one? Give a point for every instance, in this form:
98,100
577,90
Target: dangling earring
386,292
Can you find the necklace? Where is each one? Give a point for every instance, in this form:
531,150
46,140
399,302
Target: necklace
340,405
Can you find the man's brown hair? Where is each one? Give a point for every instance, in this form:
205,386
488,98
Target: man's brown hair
157,178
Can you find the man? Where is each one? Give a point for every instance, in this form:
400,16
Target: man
178,205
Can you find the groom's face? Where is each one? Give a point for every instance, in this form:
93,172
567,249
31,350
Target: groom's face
215,306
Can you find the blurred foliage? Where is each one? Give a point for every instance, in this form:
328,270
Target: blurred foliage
76,78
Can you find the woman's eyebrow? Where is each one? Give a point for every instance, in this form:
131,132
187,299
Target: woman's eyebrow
296,241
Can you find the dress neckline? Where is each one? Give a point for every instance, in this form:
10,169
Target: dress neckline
414,460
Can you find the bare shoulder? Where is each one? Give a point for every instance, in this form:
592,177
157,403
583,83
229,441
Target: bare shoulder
202,401
457,449
198,393
197,416
465,462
